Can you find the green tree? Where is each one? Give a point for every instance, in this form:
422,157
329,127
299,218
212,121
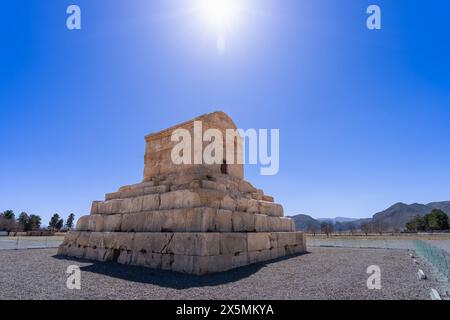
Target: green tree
8,214
34,222
60,224
70,220
23,221
417,223
56,222
437,220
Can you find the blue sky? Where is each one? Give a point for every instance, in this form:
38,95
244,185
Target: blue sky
363,115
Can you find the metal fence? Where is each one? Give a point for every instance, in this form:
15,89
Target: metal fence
439,258
361,243
437,253
16,243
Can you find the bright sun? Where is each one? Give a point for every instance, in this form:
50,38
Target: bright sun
219,14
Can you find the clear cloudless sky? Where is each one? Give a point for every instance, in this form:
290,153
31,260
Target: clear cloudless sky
364,116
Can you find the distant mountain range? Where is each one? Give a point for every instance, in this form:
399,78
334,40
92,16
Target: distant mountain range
337,219
394,217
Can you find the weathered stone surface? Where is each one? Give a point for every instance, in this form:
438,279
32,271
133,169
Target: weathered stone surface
112,223
83,223
261,223
151,202
200,220
243,221
223,221
180,199
231,243
270,208
258,241
94,207
274,224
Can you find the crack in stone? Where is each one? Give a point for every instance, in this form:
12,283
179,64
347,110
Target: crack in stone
168,243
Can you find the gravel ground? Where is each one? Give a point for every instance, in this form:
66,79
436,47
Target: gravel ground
324,273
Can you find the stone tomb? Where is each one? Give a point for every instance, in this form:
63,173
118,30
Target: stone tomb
190,218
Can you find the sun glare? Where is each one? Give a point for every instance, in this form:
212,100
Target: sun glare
219,14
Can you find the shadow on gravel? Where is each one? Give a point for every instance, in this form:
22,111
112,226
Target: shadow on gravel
169,279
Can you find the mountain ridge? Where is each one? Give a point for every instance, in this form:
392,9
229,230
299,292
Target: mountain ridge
392,218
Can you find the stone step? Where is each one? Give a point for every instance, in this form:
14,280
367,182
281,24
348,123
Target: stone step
193,253
189,198
201,219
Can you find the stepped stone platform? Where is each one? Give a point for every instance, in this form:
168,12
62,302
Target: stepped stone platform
190,218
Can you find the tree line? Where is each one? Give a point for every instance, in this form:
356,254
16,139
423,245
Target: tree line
32,222
436,220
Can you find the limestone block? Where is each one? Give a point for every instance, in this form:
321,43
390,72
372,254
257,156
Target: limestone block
301,241
292,249
123,240
258,241
213,185
150,202
110,239
231,243
153,221
212,198
200,265
276,253
270,209
273,238
180,199
228,203
94,207
131,193
286,238
83,239
71,237
267,198
156,189
113,195
155,242
243,221
167,260
110,206
131,205
198,244
220,263
258,256
83,223
92,253
183,263
253,206
245,186
286,224
239,259
147,259
125,257
96,240
274,224
223,221
208,244
200,219
173,220
292,223
261,223
112,223
256,196
132,222
93,221
153,260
